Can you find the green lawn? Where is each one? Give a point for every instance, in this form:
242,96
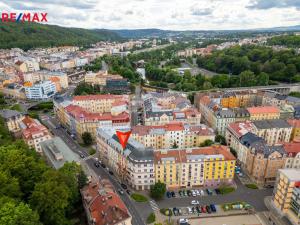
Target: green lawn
251,186
166,212
139,198
151,218
226,190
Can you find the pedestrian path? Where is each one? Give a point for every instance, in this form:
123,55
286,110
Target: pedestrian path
154,205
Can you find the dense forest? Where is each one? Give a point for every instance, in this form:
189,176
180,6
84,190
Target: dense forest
33,35
292,41
283,66
33,193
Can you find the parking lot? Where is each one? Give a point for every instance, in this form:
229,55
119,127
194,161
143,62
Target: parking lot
192,192
228,220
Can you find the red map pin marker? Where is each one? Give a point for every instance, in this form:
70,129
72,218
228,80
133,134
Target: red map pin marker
123,137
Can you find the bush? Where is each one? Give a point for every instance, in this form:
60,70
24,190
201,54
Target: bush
87,138
43,106
158,190
139,198
234,206
92,151
166,212
151,218
251,186
226,190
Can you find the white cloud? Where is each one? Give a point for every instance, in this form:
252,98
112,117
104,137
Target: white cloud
164,14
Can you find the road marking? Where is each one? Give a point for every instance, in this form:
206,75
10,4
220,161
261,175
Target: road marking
154,205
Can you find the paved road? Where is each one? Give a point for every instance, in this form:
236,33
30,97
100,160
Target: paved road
51,123
136,214
136,103
253,197
138,217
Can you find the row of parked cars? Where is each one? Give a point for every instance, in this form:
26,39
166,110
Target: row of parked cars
196,209
192,193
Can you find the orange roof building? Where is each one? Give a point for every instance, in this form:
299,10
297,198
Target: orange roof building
264,112
33,133
103,205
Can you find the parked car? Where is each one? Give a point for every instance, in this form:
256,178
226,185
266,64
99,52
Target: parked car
183,221
217,191
124,186
111,172
213,208
189,210
173,194
175,211
194,202
103,165
198,192
202,192
209,192
168,194
189,193
97,164
180,193
198,209
121,191
208,210
203,209
128,192
194,193
82,155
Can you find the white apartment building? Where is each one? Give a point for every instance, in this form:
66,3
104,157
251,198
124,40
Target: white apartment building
134,164
43,90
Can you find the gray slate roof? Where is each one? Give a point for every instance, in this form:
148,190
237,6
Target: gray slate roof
269,124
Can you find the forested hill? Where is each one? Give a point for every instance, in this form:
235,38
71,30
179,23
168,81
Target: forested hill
286,40
33,35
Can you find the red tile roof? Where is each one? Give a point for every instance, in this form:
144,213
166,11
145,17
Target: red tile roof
33,128
98,97
240,128
180,155
80,113
263,109
103,204
292,148
294,123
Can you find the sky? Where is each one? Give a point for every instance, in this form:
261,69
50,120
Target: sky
163,14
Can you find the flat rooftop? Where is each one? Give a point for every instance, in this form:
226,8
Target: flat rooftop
291,174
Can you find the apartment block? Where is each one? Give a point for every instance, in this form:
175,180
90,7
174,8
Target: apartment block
102,103
264,112
260,160
295,123
103,205
134,164
12,119
194,167
286,194
87,113
274,132
163,108
33,133
43,90
172,135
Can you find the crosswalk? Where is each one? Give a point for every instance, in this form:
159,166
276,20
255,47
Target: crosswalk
154,205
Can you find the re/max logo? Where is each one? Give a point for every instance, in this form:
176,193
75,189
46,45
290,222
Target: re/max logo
24,17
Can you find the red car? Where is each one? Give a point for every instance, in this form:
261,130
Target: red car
203,209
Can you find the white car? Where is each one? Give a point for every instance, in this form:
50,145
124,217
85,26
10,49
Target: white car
194,193
190,210
183,220
195,202
202,192
197,192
